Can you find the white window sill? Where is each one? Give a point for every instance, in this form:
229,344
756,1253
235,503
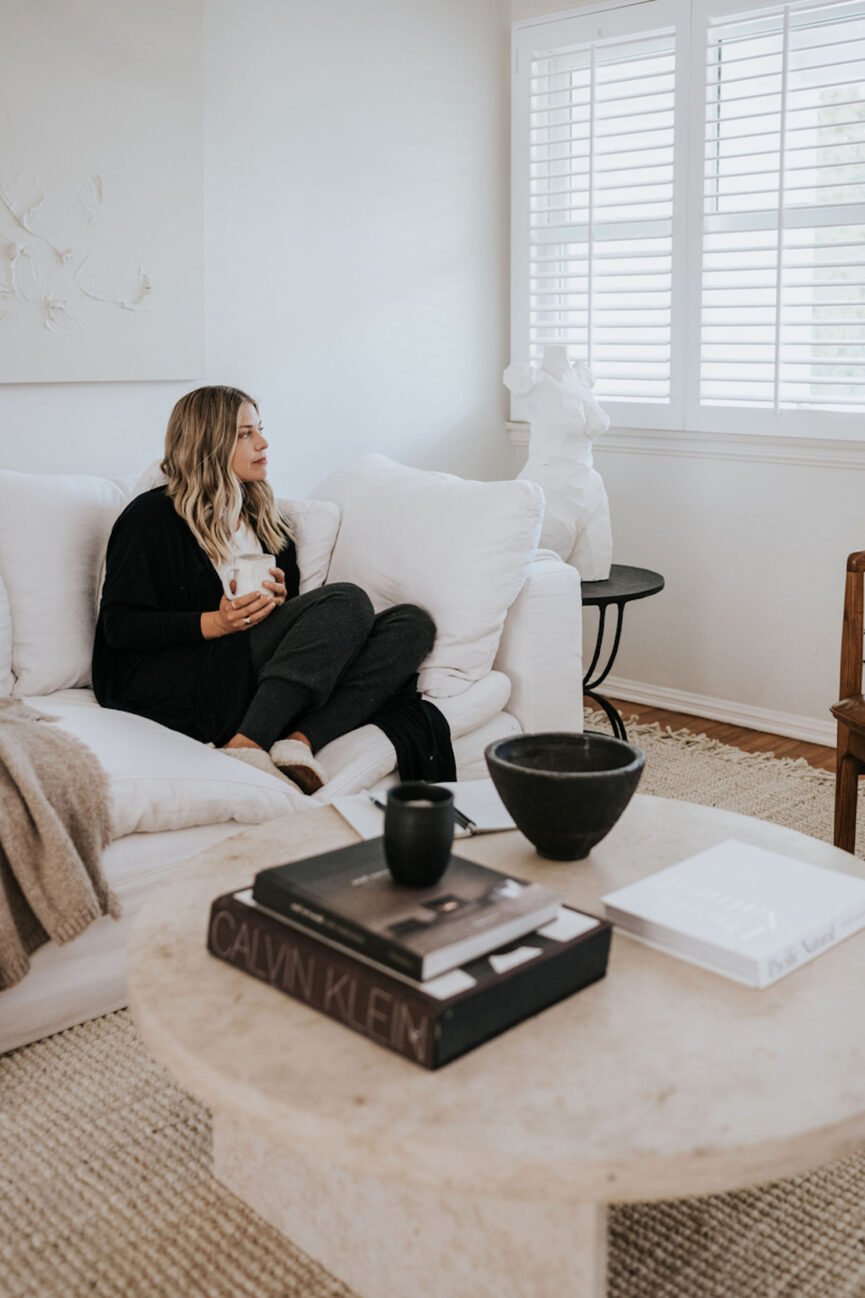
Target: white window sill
769,448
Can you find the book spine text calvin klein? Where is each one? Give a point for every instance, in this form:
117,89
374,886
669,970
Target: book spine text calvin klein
354,994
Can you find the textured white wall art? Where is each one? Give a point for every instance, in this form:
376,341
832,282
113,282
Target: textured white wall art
101,228
55,264
565,419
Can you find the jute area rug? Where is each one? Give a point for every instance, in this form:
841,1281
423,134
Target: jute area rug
105,1187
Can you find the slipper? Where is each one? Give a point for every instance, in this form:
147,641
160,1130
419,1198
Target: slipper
258,758
297,763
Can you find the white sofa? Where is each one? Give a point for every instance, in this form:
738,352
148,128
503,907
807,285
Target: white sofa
507,657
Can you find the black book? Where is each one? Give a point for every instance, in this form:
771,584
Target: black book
349,896
430,1022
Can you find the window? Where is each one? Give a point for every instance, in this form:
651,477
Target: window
689,209
602,115
783,312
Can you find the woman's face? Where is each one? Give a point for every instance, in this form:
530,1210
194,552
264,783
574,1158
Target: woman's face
249,462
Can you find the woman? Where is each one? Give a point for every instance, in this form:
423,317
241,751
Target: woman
273,676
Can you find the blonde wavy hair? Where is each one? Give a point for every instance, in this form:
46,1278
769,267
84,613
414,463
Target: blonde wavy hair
199,446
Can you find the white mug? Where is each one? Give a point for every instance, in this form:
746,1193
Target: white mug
249,571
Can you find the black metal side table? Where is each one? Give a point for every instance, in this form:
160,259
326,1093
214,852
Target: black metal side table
623,585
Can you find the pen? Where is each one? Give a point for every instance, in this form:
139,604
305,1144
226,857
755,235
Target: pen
462,819
376,802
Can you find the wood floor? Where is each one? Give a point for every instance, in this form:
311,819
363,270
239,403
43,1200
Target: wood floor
750,741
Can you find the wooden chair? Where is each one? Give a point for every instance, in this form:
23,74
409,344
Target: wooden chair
849,711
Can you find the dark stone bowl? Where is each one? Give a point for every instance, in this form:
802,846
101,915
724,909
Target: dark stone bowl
564,790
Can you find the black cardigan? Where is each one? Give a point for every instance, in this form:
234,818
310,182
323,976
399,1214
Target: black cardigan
149,656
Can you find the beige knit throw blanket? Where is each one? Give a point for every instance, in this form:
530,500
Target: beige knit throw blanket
54,823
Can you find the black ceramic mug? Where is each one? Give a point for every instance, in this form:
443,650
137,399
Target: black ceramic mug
418,832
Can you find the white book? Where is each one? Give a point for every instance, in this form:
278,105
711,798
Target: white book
742,911
479,800
476,799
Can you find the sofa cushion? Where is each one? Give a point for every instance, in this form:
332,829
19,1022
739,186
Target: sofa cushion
159,779
7,680
469,751
368,757
541,649
477,705
53,532
459,549
355,761
361,758
315,524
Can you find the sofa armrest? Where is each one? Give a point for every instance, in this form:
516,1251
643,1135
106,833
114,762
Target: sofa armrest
541,649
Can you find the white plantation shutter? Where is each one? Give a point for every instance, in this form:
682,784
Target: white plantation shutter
602,209
783,263
688,211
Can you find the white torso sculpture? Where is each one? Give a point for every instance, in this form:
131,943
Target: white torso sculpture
565,419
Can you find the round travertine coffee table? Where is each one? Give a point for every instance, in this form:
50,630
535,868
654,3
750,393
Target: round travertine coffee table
490,1178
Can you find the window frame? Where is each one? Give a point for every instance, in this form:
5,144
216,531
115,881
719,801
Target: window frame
684,412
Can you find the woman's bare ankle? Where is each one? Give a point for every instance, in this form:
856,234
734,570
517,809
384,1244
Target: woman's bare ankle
241,741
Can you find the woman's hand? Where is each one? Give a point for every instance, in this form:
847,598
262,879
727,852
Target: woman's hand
280,593
240,614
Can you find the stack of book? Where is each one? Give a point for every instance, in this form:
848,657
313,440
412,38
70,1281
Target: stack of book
427,972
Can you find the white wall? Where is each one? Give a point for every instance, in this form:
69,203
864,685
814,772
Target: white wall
356,200
535,8
108,68
104,428
357,163
754,555
752,545
753,551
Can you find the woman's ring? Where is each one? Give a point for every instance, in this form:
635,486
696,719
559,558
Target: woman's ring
248,621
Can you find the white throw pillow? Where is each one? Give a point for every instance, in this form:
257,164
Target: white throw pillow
315,524
7,680
159,779
459,549
53,532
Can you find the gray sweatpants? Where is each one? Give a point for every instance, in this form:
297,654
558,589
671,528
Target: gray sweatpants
325,663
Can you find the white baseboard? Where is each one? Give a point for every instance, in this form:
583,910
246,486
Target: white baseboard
737,714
